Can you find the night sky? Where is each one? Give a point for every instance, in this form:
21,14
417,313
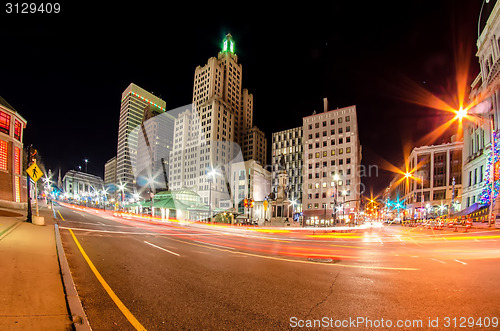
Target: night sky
65,72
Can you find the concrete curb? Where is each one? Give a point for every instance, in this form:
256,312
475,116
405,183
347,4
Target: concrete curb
75,307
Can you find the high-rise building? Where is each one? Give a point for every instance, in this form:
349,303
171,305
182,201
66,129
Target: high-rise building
332,164
287,149
208,136
110,175
134,101
154,143
254,145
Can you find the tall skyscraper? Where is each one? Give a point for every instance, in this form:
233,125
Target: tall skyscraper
154,142
209,135
134,101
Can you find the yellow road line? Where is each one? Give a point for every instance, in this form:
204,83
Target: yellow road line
295,261
61,215
114,297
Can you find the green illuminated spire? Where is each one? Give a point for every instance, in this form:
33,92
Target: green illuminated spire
228,44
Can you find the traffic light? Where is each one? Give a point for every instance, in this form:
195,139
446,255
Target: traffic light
245,203
251,203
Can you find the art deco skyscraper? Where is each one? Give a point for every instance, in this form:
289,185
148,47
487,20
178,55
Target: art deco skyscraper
222,115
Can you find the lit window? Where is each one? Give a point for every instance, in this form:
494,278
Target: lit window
17,160
18,189
4,122
17,130
3,155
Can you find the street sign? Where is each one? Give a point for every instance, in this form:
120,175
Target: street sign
34,172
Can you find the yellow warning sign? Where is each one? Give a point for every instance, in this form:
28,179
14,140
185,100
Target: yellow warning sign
34,172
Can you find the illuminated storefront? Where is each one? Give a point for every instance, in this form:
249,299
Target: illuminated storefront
12,186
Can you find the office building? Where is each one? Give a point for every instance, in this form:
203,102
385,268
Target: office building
331,167
287,147
433,186
208,137
134,101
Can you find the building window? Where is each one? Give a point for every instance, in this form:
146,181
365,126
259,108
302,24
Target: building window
325,154
347,118
340,130
348,150
339,120
17,160
332,131
332,142
332,122
3,155
333,152
17,130
4,122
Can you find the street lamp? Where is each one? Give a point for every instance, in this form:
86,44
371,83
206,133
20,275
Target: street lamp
344,193
336,178
86,162
121,187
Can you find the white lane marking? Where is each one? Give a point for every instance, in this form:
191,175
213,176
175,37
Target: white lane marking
381,242
204,243
438,261
460,261
402,242
163,249
143,233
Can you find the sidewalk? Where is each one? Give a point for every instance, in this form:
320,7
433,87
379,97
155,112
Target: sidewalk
31,291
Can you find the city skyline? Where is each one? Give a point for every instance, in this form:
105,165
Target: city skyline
324,53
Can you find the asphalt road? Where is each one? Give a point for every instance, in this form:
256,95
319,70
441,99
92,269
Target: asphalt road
185,276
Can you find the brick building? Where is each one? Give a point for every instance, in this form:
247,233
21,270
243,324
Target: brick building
12,185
